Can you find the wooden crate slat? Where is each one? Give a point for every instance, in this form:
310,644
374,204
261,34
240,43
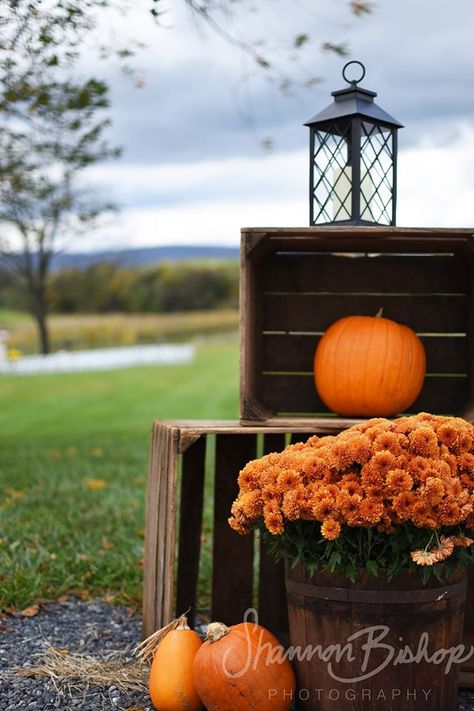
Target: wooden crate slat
159,557
272,607
295,353
259,243
469,412
297,394
466,679
360,273
232,560
469,613
316,312
190,527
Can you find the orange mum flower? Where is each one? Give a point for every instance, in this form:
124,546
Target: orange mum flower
399,480
449,513
324,508
383,461
466,463
237,526
463,541
418,466
449,435
359,449
445,549
251,504
423,441
376,491
274,522
330,529
467,482
403,504
390,441
371,477
288,479
422,515
443,470
434,490
351,506
293,501
371,511
248,478
422,557
317,468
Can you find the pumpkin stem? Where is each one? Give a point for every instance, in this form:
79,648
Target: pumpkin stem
215,631
146,649
379,313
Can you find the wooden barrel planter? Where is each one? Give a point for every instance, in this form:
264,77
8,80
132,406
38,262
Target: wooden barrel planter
375,645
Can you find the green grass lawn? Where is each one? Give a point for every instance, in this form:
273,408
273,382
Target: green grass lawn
73,464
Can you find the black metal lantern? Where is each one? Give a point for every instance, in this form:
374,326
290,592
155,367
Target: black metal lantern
353,159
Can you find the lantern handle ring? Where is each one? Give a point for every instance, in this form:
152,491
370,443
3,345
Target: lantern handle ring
354,82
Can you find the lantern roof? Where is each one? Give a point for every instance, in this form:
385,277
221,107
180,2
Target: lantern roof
354,101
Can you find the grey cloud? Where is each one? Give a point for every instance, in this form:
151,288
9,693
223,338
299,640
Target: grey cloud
419,56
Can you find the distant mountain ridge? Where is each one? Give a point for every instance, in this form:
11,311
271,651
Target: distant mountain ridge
143,256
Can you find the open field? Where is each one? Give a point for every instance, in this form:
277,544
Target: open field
78,331
73,462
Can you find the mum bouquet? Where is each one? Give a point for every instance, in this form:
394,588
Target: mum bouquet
384,495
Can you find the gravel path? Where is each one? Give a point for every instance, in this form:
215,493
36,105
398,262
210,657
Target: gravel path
91,628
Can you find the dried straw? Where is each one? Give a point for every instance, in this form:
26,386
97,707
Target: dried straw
63,667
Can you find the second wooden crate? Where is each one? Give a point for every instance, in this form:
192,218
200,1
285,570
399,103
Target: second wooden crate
297,282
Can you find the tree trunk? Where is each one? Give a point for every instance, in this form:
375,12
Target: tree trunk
43,333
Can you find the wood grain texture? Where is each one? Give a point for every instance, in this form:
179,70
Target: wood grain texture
332,621
232,557
378,231
190,430
268,240
297,394
272,607
285,352
360,273
251,321
159,557
316,312
190,528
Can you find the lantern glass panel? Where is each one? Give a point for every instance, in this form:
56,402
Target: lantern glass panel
377,160
332,177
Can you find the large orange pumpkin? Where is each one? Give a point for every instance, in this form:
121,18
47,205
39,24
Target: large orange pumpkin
369,366
171,676
243,668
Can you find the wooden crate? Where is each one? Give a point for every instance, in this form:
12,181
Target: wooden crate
296,282
173,537
173,531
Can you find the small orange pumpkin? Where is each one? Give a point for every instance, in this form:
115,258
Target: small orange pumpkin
369,366
171,681
243,668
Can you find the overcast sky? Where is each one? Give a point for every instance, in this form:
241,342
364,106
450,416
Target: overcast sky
194,168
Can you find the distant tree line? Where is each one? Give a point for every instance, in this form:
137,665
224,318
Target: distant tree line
107,287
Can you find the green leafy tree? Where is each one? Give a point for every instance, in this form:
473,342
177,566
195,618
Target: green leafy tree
52,127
